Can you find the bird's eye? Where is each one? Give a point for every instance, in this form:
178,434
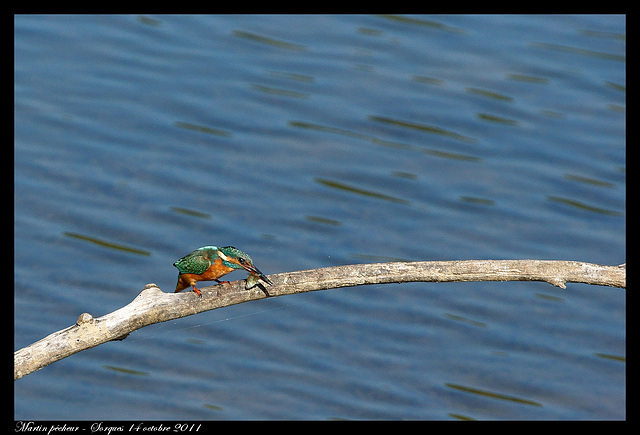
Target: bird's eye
241,260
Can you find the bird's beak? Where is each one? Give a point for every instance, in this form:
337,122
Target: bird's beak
254,271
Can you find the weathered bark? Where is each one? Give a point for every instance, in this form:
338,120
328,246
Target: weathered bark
152,305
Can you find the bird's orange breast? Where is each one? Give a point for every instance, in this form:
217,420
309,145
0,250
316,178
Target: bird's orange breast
215,271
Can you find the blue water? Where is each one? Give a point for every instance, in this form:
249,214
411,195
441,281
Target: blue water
312,141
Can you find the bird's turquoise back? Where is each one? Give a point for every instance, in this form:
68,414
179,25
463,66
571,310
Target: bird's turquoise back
198,261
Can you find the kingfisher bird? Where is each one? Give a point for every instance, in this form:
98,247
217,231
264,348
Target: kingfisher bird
210,263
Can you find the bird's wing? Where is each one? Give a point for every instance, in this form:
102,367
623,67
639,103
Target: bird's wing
197,263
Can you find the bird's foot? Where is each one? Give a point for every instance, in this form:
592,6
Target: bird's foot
197,291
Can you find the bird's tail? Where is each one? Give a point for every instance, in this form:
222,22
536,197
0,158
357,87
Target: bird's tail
181,285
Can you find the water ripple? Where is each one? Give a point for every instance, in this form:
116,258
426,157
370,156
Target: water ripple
422,127
106,244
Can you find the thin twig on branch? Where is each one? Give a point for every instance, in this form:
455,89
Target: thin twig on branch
152,305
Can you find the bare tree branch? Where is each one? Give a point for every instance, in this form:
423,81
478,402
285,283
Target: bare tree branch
152,305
